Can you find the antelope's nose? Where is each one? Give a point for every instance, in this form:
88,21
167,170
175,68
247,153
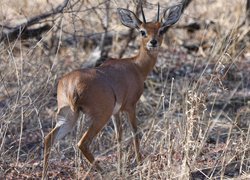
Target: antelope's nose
153,42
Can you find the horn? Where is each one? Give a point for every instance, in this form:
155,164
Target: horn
158,12
143,16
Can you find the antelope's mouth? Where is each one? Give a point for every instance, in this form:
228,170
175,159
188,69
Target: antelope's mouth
152,48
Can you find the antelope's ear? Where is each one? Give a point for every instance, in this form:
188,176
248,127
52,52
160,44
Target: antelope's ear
170,16
128,18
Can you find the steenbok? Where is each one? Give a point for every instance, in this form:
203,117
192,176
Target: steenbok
111,88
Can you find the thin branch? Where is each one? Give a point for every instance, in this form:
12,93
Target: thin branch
248,12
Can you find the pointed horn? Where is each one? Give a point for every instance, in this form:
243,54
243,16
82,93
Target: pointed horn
143,16
158,13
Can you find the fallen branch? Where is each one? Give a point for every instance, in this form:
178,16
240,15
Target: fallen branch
21,30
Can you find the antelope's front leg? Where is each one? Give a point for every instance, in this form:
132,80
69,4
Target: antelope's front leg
133,123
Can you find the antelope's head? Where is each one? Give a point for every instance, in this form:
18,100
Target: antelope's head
151,32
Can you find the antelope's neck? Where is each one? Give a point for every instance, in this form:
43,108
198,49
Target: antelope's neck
145,60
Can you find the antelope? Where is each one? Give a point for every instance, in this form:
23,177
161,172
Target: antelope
111,88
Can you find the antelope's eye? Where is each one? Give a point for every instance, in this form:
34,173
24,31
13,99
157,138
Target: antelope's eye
162,31
143,33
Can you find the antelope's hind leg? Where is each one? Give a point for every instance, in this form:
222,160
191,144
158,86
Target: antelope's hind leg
98,121
66,120
118,130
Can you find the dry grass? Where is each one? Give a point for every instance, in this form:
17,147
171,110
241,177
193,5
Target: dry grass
193,115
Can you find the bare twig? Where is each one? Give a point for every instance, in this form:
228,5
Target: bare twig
248,12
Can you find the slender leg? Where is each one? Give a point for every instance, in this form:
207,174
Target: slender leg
118,130
85,141
48,142
66,119
133,123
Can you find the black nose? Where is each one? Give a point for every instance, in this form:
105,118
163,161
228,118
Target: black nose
153,42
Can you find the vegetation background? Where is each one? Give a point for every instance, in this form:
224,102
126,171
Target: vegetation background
194,115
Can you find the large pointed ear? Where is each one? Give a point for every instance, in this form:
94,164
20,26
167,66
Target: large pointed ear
170,16
128,18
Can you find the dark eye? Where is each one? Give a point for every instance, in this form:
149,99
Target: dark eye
161,31
143,33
